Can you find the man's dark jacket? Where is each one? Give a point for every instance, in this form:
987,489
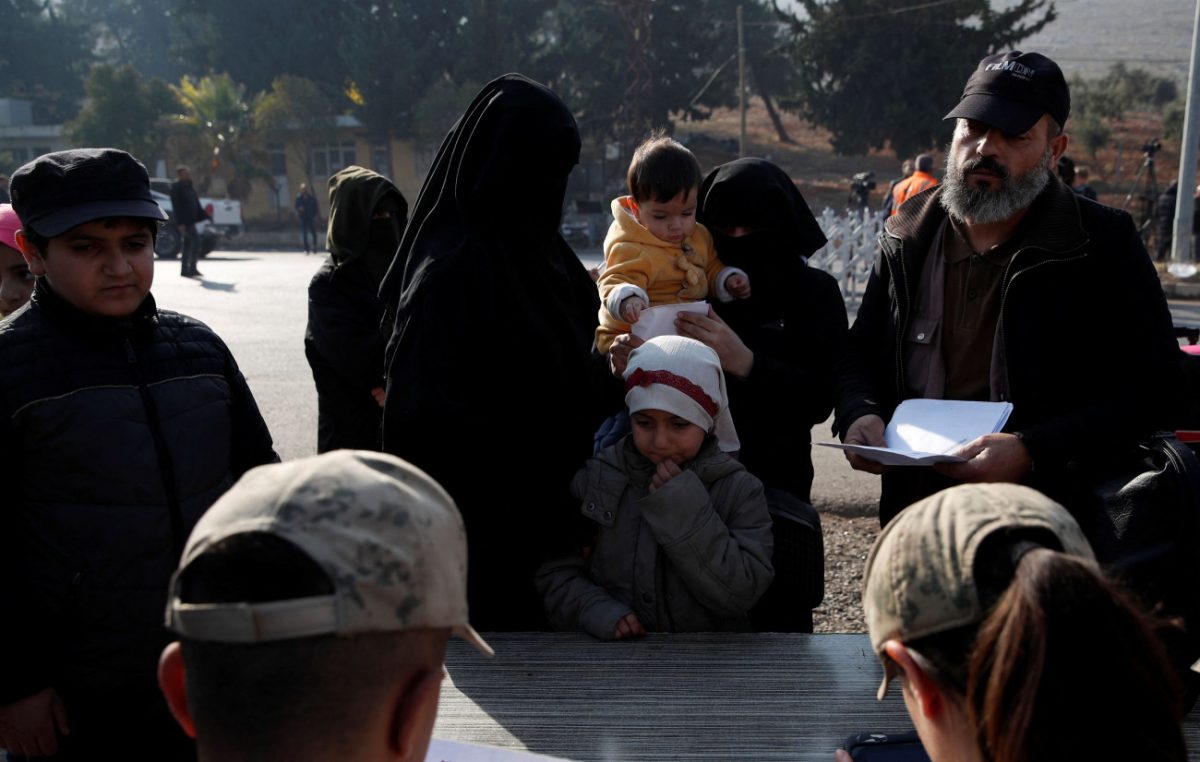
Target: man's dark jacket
115,437
185,204
1088,348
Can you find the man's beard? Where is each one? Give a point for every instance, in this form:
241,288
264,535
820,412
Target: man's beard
982,205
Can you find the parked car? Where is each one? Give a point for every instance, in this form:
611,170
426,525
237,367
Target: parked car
225,220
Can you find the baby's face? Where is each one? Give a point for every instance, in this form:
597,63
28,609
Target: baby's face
671,221
659,436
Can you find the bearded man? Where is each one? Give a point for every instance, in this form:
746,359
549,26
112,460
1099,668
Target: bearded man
1002,284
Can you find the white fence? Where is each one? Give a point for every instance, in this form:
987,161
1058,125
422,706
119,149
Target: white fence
851,250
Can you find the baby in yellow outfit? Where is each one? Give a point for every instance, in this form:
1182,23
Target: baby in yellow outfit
655,252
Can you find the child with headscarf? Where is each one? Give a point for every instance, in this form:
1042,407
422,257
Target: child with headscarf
16,282
682,537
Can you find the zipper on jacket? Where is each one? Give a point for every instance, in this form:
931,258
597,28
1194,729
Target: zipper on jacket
165,466
1004,297
902,314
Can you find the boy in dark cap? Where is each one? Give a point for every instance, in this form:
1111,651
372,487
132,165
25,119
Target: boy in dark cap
120,424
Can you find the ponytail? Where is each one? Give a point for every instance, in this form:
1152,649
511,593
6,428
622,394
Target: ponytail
1065,667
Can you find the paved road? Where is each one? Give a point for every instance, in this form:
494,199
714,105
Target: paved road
257,302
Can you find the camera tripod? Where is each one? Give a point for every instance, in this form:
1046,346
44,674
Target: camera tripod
1145,189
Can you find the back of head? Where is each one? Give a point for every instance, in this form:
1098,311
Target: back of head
996,589
661,169
512,152
307,594
924,163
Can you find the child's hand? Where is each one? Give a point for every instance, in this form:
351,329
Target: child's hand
380,395
629,627
666,471
631,308
738,285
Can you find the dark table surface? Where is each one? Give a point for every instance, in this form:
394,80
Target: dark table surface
670,697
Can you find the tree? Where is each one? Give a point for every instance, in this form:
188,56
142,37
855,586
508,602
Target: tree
43,57
626,66
875,74
256,41
300,111
219,120
133,33
399,54
123,111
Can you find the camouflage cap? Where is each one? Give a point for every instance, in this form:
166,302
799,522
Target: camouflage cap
390,539
920,576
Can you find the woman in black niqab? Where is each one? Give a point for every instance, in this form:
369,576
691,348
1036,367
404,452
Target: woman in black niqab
492,386
794,322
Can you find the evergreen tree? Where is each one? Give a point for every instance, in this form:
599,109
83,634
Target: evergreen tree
875,73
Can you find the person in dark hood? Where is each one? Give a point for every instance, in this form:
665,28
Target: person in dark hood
492,385
779,346
344,342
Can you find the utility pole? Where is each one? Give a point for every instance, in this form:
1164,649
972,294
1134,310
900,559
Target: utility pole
1181,244
741,34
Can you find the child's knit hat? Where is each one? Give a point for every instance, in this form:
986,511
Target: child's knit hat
683,377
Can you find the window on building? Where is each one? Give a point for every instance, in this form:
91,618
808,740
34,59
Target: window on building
328,158
277,158
380,160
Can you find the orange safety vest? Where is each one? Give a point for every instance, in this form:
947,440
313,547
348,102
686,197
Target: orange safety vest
911,186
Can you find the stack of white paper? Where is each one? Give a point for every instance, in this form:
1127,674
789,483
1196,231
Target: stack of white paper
441,750
924,431
660,321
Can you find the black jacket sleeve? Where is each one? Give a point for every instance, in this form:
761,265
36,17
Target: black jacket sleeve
858,380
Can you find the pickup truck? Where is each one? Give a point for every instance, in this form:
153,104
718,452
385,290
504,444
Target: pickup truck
225,214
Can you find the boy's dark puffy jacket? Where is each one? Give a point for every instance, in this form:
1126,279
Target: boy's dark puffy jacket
115,436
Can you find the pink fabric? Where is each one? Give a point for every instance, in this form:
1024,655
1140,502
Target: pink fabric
9,225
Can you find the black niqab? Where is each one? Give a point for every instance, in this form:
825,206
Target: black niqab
794,320
756,194
492,385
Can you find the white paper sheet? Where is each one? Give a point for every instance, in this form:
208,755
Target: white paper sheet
441,750
924,431
660,320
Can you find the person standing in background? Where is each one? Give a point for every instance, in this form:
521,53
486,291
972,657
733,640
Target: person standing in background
306,210
186,211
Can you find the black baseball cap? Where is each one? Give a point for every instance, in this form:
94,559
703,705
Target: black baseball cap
57,191
1012,90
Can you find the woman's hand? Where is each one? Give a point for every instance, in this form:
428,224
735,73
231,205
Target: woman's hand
618,353
736,358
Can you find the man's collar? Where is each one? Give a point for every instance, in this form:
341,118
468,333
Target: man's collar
1052,222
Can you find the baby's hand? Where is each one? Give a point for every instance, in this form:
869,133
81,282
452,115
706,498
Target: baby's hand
738,285
629,627
631,308
380,395
666,471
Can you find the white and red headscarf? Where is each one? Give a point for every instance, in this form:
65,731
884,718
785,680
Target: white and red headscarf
683,377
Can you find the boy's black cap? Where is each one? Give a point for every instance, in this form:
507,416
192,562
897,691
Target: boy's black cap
57,191
1012,90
